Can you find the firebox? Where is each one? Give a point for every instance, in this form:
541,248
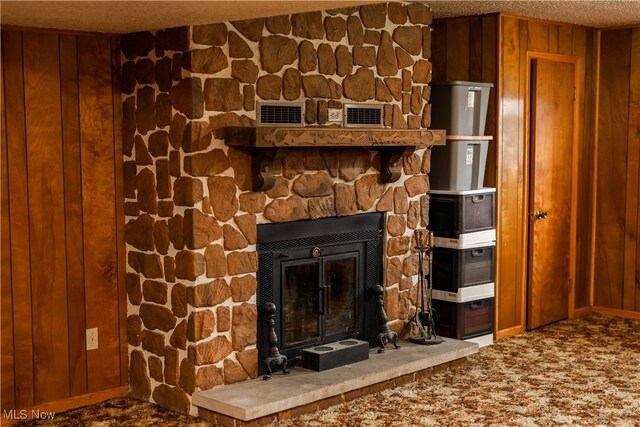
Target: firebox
319,273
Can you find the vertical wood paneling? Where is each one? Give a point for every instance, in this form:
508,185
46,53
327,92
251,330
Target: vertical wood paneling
617,285
508,229
475,49
520,35
538,36
119,206
46,216
19,217
633,160
73,211
98,189
578,45
457,65
490,75
553,38
6,319
593,41
439,50
633,288
612,160
565,39
520,216
61,198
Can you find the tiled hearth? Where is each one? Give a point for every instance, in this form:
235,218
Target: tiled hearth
191,212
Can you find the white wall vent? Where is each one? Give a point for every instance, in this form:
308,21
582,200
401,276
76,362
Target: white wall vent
363,115
279,113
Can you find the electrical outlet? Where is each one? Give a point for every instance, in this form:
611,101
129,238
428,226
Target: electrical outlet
335,115
92,339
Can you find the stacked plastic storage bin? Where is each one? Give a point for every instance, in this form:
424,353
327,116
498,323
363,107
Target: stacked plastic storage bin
462,214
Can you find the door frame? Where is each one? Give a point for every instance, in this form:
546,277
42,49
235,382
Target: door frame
575,60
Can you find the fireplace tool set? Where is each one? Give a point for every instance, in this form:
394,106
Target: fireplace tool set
424,317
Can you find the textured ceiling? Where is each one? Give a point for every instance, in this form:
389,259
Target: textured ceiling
130,16
591,13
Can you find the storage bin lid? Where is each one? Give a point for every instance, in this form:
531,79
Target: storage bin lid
460,83
476,239
449,243
464,192
471,293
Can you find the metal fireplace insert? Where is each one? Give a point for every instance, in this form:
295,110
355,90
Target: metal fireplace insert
319,273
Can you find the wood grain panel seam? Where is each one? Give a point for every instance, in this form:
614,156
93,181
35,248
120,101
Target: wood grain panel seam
64,198
119,209
631,232
84,259
634,136
80,206
28,237
8,236
522,204
499,155
594,183
82,228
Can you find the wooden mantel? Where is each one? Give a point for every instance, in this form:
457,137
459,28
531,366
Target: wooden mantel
268,144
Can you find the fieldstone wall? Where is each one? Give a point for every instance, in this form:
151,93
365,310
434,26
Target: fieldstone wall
190,215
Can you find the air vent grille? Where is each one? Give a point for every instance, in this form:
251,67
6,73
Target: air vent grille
363,115
281,113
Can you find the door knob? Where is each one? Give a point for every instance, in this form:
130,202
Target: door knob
539,215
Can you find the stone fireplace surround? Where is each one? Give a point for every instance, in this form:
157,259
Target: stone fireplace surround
191,216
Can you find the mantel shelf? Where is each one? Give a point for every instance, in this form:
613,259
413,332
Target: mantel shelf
279,137
269,144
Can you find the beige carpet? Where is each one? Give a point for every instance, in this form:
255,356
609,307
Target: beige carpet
579,372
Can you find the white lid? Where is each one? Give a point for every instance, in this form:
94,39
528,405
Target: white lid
464,192
454,244
466,294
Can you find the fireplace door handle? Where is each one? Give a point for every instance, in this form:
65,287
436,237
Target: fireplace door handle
327,299
320,309
324,296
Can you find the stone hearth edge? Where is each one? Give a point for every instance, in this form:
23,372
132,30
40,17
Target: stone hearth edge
261,402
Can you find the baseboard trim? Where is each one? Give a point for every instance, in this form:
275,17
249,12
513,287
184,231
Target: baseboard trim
582,311
627,314
63,405
509,332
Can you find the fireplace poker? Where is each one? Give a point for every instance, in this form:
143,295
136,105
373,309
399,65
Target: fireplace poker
425,317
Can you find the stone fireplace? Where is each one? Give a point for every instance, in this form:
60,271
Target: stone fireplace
192,217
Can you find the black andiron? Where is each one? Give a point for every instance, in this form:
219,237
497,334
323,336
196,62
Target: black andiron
386,335
274,359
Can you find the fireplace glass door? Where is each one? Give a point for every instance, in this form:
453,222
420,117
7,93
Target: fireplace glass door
319,297
319,274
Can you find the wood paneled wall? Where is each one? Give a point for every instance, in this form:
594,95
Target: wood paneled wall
517,37
494,49
617,255
62,232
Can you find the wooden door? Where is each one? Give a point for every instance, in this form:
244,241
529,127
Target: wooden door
550,192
